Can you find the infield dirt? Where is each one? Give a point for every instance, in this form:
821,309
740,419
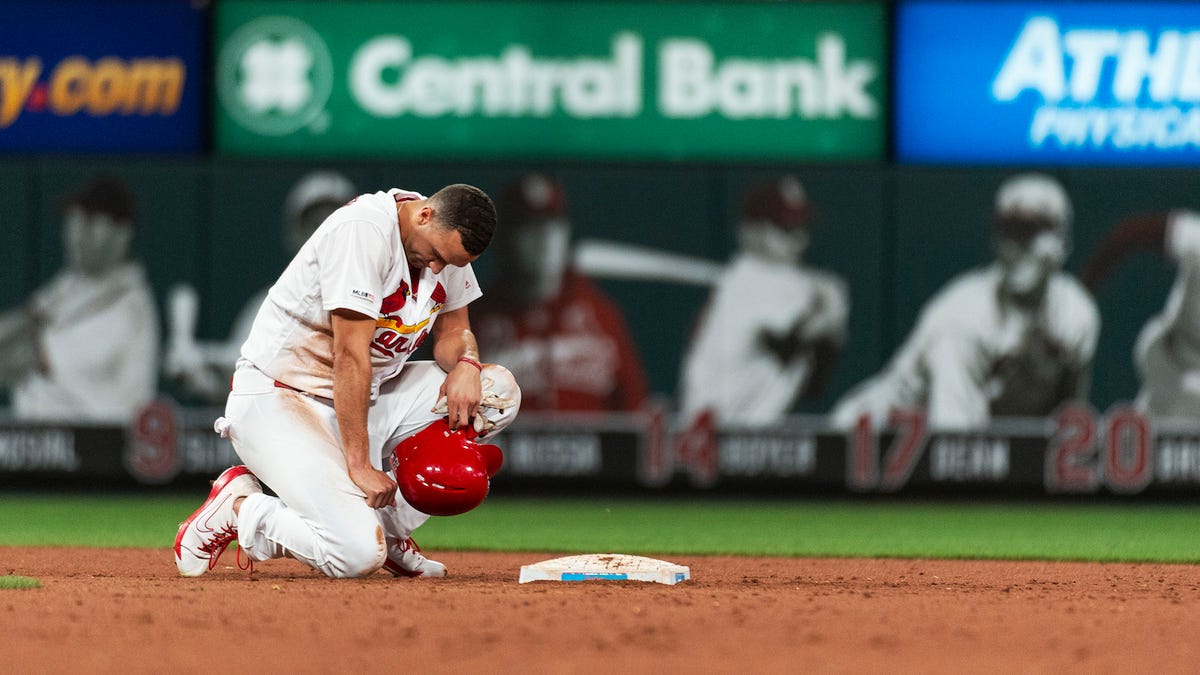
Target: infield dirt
126,610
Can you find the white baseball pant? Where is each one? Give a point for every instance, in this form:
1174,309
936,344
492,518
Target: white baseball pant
290,441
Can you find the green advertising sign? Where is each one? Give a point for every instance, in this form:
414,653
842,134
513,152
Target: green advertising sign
620,80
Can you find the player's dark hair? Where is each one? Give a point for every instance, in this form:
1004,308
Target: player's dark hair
105,194
468,210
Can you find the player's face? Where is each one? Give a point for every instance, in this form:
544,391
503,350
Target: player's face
1029,264
434,246
94,242
771,242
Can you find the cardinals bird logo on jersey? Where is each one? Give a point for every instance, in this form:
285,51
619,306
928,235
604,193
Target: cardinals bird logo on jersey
393,302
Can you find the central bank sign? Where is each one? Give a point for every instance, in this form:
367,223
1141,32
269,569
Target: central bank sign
528,79
1048,83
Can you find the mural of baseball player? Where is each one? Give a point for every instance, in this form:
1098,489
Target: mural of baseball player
85,346
1016,337
565,340
324,390
773,327
1167,351
203,367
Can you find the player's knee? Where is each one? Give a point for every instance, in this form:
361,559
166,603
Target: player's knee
360,556
503,382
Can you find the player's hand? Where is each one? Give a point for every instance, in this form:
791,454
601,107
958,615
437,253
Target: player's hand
378,487
463,392
490,399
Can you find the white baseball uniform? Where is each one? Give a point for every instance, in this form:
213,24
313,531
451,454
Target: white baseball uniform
204,367
1167,353
99,340
972,356
289,436
726,368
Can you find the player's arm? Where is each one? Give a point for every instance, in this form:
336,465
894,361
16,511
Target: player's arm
352,335
456,351
19,352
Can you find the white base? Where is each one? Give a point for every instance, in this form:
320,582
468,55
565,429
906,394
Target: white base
610,566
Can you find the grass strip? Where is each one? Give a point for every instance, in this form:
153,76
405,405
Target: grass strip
12,581
1037,531
1106,531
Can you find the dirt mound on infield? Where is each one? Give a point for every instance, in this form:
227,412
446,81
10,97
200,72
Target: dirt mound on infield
126,610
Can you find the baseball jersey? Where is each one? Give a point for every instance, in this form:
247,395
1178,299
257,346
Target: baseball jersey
972,356
99,340
728,369
571,352
1168,348
355,260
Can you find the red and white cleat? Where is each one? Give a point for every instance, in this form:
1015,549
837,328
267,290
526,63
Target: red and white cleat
406,560
203,537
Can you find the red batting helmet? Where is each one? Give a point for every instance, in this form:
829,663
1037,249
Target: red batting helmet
442,472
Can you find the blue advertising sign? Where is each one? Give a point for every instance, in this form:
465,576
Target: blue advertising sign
114,76
1097,83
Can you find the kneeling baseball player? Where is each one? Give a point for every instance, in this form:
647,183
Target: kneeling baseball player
323,393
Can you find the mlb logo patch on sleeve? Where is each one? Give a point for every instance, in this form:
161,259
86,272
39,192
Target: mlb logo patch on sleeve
365,295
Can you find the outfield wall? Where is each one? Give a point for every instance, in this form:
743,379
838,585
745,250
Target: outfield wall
899,118
894,234
1075,453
